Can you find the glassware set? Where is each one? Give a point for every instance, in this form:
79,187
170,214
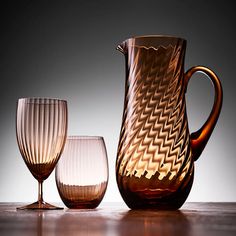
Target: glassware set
156,152
81,174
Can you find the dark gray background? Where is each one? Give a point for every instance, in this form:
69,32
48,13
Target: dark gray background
66,49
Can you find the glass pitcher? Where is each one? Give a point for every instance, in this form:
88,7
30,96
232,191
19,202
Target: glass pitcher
156,152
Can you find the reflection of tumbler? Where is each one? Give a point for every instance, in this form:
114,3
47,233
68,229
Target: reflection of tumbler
82,172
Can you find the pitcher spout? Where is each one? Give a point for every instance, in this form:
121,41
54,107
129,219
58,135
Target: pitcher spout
121,47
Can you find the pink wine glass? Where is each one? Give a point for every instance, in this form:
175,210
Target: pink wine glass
41,128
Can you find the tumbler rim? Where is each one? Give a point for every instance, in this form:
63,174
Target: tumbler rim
83,137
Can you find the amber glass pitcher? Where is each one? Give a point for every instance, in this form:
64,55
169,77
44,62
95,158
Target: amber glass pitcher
156,152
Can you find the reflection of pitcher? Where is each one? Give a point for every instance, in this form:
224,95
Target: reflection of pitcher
155,159
158,223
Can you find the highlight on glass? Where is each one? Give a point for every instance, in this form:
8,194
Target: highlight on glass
82,172
41,129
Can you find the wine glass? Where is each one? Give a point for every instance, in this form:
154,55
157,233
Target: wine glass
82,172
41,128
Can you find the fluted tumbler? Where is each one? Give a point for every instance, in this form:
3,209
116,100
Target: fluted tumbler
82,172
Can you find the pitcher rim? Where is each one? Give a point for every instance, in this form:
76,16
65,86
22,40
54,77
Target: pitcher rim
156,36
150,41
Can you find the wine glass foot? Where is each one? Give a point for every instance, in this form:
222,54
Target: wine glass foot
39,206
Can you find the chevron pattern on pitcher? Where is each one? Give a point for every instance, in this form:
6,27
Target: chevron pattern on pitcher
154,136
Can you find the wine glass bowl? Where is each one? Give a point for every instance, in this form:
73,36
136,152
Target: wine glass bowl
41,129
82,172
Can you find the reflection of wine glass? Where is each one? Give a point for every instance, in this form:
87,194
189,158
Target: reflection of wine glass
82,172
41,128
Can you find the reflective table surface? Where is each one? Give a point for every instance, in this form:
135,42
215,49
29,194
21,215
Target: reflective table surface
116,219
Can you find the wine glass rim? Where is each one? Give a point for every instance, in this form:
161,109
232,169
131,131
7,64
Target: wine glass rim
83,137
41,100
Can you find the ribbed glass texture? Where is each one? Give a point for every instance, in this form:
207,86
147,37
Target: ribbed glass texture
82,172
41,128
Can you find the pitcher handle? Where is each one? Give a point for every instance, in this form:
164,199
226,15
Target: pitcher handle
200,137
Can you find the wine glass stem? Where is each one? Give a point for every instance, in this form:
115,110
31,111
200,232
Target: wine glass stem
40,191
